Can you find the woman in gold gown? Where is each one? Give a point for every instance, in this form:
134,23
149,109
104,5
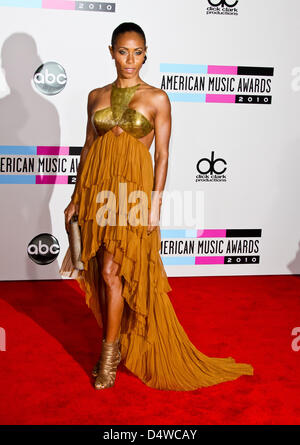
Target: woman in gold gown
124,280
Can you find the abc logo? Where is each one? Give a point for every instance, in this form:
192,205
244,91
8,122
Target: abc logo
50,78
43,249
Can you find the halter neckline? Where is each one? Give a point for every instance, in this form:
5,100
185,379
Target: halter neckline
125,88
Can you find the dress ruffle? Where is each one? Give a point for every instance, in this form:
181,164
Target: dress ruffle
154,345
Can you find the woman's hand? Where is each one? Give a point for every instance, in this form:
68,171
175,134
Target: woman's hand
153,217
69,211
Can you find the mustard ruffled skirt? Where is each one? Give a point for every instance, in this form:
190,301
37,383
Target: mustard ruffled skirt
154,345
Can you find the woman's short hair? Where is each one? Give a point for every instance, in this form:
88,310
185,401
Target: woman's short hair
127,27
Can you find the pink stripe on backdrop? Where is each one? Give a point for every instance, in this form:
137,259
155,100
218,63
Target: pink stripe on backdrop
58,4
211,233
219,69
209,260
51,179
44,150
221,98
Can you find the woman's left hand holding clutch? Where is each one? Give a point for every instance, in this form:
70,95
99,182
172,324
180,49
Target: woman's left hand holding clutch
70,210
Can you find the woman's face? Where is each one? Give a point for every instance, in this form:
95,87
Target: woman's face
129,53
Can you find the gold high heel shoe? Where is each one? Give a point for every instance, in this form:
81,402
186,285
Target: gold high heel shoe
109,359
95,370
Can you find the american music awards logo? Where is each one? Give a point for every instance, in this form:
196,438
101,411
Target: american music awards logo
39,164
200,247
222,7
186,82
211,169
62,4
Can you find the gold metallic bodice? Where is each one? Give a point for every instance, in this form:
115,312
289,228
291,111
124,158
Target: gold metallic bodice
119,114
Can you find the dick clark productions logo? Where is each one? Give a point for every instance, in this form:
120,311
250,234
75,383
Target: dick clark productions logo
223,3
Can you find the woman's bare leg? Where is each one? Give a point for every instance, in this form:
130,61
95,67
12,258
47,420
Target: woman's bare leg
102,293
114,299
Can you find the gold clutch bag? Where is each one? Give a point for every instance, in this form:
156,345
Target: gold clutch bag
74,236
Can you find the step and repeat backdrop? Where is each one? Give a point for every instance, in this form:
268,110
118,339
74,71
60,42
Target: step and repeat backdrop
232,72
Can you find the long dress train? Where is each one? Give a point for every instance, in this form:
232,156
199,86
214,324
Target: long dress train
154,345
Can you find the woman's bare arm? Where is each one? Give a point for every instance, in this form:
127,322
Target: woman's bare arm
162,129
91,135
162,126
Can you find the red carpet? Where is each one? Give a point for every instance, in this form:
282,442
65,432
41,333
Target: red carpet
52,343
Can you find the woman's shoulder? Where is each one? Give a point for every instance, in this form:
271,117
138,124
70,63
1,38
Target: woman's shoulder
97,91
156,94
153,90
